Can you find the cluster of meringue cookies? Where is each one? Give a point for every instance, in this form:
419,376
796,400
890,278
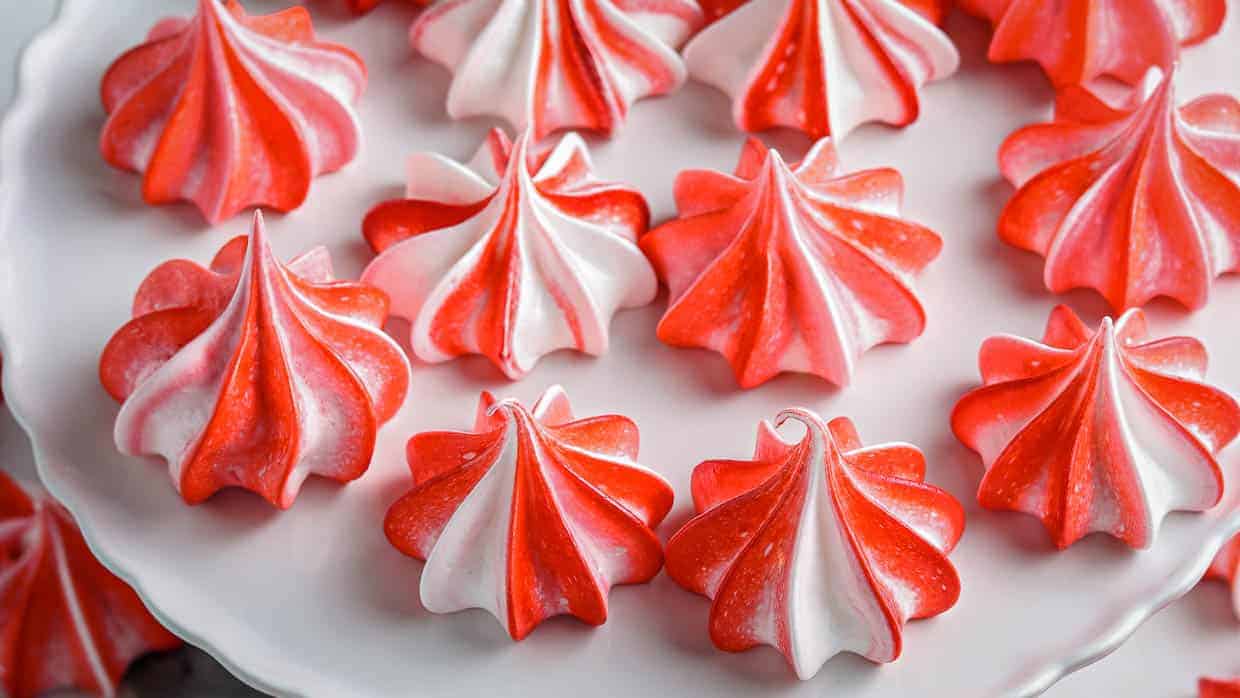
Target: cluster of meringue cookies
256,373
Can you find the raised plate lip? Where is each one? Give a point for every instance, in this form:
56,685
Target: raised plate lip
257,663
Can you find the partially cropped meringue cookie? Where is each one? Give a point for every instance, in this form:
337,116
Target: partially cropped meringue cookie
533,514
555,64
1133,200
254,374
823,67
513,256
784,267
1097,431
819,546
229,111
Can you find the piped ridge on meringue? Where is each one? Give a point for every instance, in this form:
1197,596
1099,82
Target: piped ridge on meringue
818,547
513,256
229,111
533,514
790,268
1103,431
1135,201
253,374
548,65
67,621
823,67
1078,41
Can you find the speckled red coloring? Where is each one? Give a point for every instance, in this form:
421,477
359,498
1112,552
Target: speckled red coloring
790,268
1076,41
1135,201
819,546
533,514
277,371
1097,431
228,111
65,621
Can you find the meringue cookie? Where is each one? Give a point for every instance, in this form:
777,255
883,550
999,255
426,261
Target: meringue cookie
65,621
553,64
1076,41
255,375
512,256
818,547
1097,431
823,67
229,111
781,268
1129,200
534,514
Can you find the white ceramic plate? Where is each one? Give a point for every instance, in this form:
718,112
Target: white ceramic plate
315,602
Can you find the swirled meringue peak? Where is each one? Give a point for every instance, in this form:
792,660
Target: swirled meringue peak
823,67
1076,41
253,374
555,64
230,111
65,621
1218,688
513,256
533,514
1097,431
818,547
1135,201
790,268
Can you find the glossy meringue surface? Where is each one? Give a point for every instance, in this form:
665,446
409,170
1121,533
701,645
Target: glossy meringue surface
818,546
1076,41
548,65
1135,200
533,514
228,111
1097,431
784,267
254,374
823,67
65,621
513,256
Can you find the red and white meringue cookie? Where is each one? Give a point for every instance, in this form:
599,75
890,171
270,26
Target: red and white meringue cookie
65,621
1226,568
534,514
790,268
229,111
823,67
818,547
1076,41
254,374
1134,201
1218,688
1097,431
554,64
513,256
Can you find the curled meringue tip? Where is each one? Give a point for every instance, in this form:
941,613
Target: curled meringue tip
1110,401
278,110
514,255
1123,198
534,520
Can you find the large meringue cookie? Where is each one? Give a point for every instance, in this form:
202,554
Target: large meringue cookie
818,547
783,268
1134,201
513,256
1097,431
252,374
230,111
1076,41
553,64
823,66
533,515
65,621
